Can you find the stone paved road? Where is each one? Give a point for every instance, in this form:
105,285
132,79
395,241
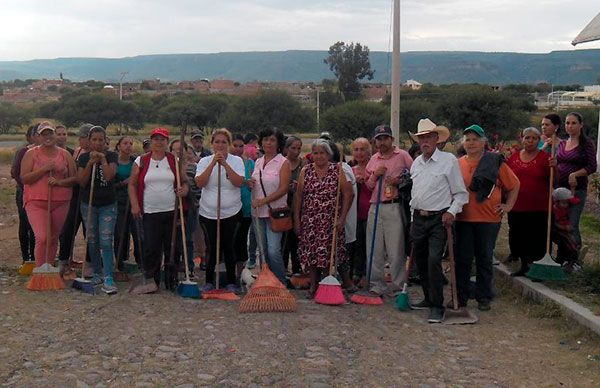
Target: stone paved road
72,339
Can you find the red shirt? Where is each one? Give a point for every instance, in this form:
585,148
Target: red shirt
535,178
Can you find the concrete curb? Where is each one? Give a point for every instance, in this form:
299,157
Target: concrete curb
540,292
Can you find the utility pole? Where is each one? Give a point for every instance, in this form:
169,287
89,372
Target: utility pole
318,109
395,109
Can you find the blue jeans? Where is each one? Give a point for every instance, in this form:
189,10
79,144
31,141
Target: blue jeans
273,252
475,239
252,244
575,215
100,236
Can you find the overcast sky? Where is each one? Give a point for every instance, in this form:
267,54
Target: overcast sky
32,29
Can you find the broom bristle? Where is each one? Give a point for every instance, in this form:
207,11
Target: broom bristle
26,268
45,282
220,294
188,290
546,272
300,282
121,277
371,300
330,292
268,299
83,285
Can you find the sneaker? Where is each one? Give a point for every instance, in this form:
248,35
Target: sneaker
109,286
96,279
233,288
436,315
208,287
484,305
422,305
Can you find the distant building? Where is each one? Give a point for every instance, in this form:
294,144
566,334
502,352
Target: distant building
45,83
412,84
376,93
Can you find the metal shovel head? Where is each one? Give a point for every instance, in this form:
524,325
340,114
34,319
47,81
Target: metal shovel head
462,316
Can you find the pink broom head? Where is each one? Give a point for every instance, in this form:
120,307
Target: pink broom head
45,278
330,292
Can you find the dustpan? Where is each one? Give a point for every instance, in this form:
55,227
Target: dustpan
456,315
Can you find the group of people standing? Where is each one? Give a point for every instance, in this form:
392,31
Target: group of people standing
384,203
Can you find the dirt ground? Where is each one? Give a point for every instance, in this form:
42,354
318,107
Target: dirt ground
68,338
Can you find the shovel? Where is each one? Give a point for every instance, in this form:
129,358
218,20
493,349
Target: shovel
456,315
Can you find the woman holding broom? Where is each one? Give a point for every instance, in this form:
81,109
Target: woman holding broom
230,212
528,217
314,212
153,191
489,180
47,173
102,211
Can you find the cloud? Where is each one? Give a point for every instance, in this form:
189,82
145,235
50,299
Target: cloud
117,28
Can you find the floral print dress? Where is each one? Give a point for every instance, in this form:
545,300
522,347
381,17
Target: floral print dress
316,216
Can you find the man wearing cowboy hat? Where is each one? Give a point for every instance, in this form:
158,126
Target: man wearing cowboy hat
438,194
388,165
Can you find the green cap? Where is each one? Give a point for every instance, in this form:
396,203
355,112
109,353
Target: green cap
475,129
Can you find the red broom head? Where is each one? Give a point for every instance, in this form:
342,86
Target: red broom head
220,294
45,278
366,299
300,282
330,292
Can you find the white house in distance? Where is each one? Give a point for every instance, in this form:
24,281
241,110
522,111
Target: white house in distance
414,85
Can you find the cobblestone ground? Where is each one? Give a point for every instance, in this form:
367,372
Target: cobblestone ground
67,338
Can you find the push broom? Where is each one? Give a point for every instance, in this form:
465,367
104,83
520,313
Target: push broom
186,288
457,315
366,297
219,293
403,300
82,283
547,268
46,277
330,290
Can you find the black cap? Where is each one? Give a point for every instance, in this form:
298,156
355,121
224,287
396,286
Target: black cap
197,133
382,130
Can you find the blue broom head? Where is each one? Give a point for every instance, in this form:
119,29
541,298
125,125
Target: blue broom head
546,269
403,301
84,285
189,289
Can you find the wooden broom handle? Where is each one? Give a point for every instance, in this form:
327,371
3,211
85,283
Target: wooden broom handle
550,187
89,214
450,247
218,250
181,219
49,220
335,219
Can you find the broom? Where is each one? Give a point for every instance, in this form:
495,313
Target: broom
267,293
457,315
547,268
81,283
219,293
366,297
46,277
187,288
403,300
330,290
121,276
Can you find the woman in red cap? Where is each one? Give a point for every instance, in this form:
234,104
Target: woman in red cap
153,192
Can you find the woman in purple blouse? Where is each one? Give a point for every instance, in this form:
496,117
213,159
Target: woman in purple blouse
576,159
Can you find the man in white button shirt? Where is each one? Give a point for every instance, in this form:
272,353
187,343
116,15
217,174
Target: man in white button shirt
438,194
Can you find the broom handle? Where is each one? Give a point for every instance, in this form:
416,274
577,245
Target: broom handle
49,220
181,219
218,225
450,245
75,226
122,234
335,219
89,215
550,187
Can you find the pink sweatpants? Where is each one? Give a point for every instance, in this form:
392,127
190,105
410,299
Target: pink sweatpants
37,213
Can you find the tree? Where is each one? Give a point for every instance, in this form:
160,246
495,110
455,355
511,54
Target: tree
98,109
354,119
267,109
196,109
349,63
11,116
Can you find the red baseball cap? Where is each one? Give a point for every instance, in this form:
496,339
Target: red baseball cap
160,131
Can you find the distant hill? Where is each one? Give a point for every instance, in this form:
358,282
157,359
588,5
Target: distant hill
439,67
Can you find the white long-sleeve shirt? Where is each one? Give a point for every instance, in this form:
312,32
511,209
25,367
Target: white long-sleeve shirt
438,184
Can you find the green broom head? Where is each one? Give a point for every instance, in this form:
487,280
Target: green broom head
188,289
546,269
130,267
402,300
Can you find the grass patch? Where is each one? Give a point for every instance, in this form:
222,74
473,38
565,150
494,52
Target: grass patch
7,194
6,155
